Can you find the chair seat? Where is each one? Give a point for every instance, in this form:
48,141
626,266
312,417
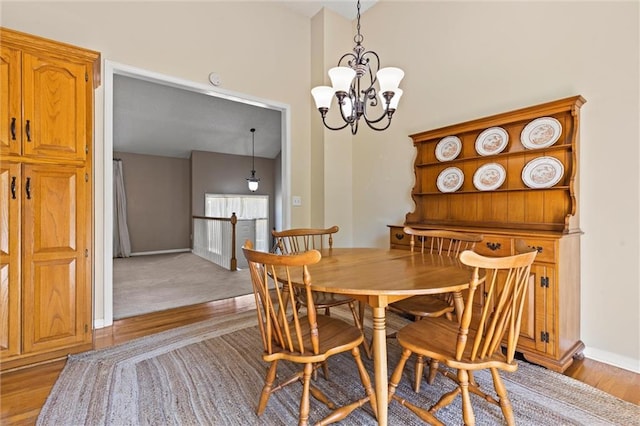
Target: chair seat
423,306
328,300
337,336
436,338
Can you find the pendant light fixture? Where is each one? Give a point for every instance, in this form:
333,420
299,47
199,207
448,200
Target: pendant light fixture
353,85
253,181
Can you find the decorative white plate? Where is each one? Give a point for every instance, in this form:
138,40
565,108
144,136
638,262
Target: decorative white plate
492,141
489,177
448,148
450,179
542,172
541,133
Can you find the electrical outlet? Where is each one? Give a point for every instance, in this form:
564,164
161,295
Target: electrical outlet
296,200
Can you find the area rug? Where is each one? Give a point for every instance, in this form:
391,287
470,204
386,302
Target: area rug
145,284
211,373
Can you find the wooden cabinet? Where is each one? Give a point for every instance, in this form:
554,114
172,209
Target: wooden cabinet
543,215
46,136
45,99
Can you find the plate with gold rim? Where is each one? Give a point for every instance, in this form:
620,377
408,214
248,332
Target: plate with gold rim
542,172
450,179
492,141
541,133
489,177
448,148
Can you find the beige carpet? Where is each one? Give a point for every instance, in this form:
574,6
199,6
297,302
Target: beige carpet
144,284
211,373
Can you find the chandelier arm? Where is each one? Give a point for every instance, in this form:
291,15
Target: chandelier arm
350,55
385,113
379,129
354,127
324,121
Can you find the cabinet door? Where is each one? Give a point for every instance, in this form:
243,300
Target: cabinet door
55,108
536,332
9,259
10,101
56,285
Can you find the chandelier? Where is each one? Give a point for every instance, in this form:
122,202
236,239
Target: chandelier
353,85
253,181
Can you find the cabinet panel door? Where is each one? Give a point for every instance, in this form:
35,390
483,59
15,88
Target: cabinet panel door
9,259
55,102
56,309
10,101
542,307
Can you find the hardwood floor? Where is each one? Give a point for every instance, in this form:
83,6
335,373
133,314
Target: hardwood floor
24,391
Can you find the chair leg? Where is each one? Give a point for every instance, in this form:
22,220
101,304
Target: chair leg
304,399
425,415
358,319
433,370
325,370
342,412
419,368
397,373
366,380
266,389
505,404
467,409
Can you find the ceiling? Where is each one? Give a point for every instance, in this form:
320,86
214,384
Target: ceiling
157,119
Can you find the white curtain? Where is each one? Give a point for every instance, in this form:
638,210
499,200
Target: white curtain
121,242
245,207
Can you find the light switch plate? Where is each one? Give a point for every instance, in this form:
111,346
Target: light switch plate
296,200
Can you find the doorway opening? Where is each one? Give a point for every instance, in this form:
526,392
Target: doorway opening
281,207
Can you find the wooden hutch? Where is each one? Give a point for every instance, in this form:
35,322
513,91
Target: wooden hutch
525,163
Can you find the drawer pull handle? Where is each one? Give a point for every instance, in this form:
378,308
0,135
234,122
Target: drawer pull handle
536,248
13,128
494,246
13,187
399,236
28,130
28,188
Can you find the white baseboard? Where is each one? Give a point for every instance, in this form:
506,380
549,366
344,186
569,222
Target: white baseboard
610,358
147,253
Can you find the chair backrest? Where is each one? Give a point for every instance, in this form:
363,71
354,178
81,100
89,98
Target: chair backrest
448,243
297,240
506,282
278,332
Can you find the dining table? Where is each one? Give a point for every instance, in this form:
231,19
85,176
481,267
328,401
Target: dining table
379,277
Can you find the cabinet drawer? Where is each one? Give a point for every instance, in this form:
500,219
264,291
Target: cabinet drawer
546,248
398,238
493,245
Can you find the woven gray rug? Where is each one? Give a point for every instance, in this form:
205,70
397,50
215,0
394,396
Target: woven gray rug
211,373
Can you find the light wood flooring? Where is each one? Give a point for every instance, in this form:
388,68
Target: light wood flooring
24,391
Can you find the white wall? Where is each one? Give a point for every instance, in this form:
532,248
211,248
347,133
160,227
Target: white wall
463,60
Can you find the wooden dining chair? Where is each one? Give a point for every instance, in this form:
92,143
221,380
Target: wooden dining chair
308,340
297,240
443,243
477,341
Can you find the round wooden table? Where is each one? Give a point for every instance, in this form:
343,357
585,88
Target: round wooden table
379,277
